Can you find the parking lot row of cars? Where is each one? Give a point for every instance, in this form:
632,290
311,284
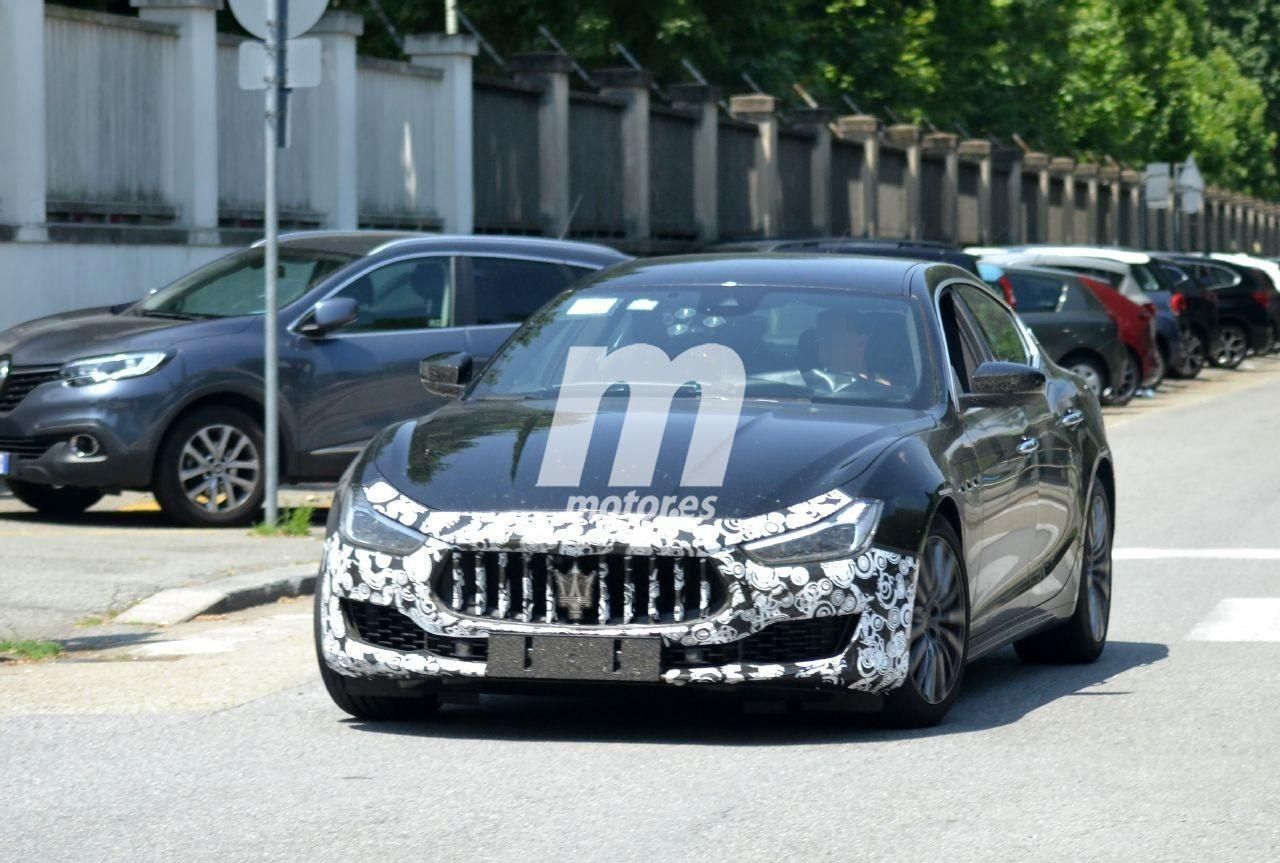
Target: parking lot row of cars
164,394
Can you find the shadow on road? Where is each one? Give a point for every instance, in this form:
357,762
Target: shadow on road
998,690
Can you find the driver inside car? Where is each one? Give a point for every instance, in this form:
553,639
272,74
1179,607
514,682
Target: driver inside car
843,347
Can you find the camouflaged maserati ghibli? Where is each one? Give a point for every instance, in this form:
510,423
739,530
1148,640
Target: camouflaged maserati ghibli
830,479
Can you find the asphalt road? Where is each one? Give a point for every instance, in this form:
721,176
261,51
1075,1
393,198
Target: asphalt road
214,740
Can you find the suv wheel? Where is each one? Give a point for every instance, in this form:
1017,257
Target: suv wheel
1193,355
1233,345
54,500
209,472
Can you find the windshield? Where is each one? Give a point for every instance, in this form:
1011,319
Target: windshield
802,344
234,285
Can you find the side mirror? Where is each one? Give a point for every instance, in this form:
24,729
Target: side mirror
445,374
329,315
996,381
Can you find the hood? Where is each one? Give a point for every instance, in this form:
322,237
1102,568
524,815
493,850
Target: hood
89,332
487,456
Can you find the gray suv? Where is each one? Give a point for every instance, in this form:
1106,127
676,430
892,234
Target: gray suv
166,394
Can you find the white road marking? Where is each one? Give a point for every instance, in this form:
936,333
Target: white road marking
1196,554
1255,618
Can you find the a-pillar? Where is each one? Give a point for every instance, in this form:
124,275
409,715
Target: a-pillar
549,72
632,85
906,137
818,122
703,98
944,144
761,110
192,160
864,129
978,151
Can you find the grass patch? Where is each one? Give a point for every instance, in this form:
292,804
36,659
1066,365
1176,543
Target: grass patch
292,522
31,650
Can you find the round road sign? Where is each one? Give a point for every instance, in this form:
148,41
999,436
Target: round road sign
302,15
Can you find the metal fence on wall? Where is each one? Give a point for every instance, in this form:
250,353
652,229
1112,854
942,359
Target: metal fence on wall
505,157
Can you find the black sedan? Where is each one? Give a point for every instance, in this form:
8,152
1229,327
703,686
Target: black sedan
830,478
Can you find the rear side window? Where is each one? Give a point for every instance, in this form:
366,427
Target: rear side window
1036,293
509,290
1146,279
997,326
1215,277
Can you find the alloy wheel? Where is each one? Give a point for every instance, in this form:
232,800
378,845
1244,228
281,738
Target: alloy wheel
1193,355
1097,567
219,468
1232,347
939,627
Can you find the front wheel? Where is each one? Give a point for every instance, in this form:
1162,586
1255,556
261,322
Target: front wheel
939,645
1122,393
209,472
1194,353
1082,638
1091,372
1233,346
54,500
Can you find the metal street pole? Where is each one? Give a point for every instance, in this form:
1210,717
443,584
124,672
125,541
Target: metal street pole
274,44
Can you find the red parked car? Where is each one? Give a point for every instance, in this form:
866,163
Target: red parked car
1137,325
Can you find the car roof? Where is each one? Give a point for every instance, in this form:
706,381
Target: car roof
1124,256
366,243
1036,255
859,272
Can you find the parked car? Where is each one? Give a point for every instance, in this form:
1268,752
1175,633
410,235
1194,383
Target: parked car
1137,325
954,492
1271,271
879,247
1247,306
166,394
1072,325
1132,274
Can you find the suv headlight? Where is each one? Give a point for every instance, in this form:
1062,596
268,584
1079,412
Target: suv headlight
359,524
100,370
844,534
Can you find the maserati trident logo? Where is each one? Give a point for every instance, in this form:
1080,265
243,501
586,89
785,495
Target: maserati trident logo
574,591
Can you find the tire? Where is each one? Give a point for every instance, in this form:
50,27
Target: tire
209,472
1081,639
1194,355
939,635
374,708
1091,370
1272,344
1122,393
1162,367
1233,346
54,500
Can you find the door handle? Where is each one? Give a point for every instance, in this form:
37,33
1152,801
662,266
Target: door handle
1072,418
1028,445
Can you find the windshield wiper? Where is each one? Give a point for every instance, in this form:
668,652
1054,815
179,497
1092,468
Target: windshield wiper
173,316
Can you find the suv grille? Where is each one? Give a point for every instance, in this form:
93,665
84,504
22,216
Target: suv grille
27,447
387,626
588,589
22,381
788,641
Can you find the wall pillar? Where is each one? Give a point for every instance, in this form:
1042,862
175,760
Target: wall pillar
906,137
1038,164
633,86
864,129
1015,230
452,54
193,155
1063,168
1109,185
23,173
335,178
945,145
978,150
703,98
762,111
549,72
817,121
1132,180
1089,173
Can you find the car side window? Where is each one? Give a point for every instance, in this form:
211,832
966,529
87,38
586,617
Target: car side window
509,290
406,295
962,354
996,326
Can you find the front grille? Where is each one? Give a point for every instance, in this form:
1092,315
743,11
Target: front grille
27,447
20,382
387,626
788,641
588,589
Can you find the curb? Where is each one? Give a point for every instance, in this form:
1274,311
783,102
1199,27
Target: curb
232,593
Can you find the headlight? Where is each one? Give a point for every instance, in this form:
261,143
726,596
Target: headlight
99,370
844,534
360,525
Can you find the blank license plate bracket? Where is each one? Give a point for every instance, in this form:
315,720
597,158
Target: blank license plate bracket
574,657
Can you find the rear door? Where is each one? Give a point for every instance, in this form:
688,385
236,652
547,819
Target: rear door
499,292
